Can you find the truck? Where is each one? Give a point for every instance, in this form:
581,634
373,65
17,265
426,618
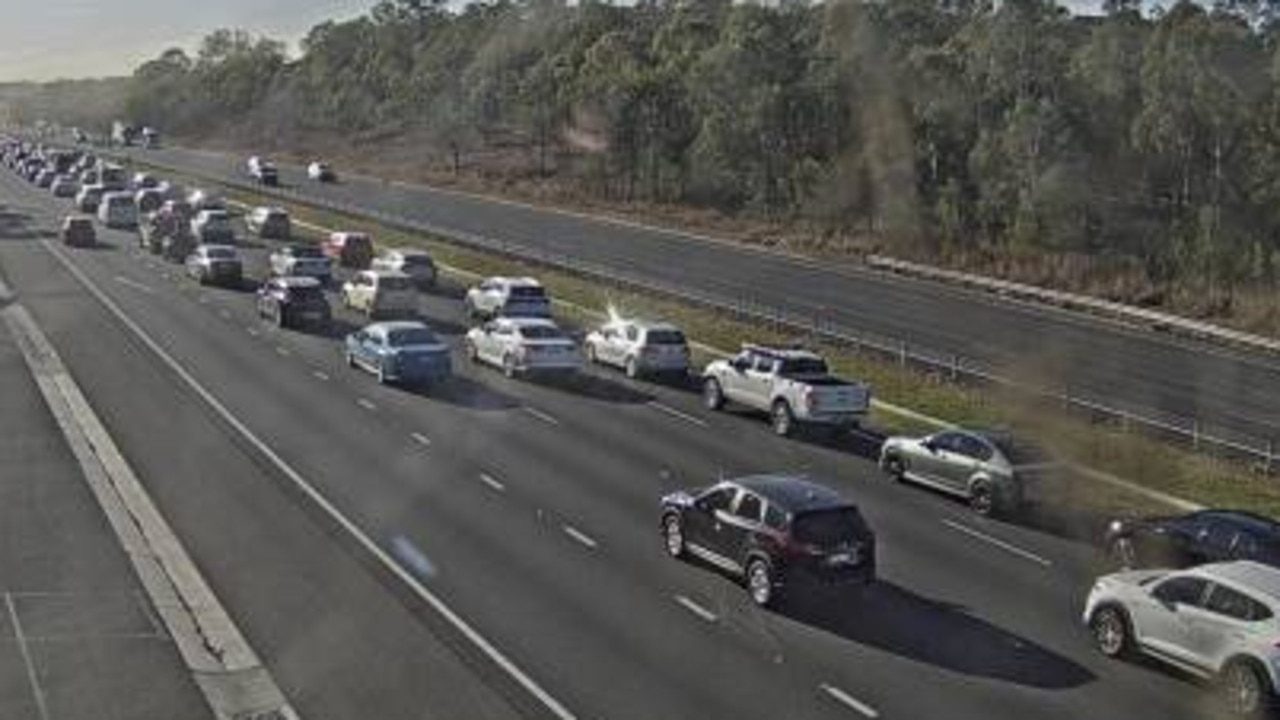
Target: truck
123,134
150,138
793,385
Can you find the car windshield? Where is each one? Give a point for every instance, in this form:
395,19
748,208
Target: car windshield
220,253
402,337
665,337
829,527
391,282
526,292
305,251
540,332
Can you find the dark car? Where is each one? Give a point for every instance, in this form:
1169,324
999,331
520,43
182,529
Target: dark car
78,231
775,532
1201,537
294,301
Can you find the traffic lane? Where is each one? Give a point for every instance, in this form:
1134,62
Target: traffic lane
337,641
535,618
999,333
77,628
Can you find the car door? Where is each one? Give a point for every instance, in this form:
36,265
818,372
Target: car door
492,341
960,461
740,525
1162,623
758,384
734,380
929,456
1229,619
704,524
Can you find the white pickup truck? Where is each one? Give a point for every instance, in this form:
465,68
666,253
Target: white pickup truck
794,386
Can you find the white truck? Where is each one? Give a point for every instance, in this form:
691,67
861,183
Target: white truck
793,385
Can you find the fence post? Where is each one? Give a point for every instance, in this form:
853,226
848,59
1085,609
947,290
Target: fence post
902,353
1271,455
1195,434
955,368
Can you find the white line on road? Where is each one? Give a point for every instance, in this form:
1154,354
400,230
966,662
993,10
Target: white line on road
677,413
134,284
1007,547
848,700
319,375
33,677
283,351
492,482
695,608
500,659
535,412
367,405
253,331
224,314
421,439
202,300
580,536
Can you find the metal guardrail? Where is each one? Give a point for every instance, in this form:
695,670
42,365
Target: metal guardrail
1191,431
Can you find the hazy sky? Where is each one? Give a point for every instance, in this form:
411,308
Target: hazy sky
48,39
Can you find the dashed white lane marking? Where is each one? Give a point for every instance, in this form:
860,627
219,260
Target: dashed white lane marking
421,439
695,608
492,482
677,413
252,331
33,676
579,536
134,284
224,314
535,412
848,700
283,351
367,405
997,542
319,375
202,300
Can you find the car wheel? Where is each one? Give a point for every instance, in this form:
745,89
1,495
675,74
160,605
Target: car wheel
760,582
712,395
632,368
1245,690
982,498
895,468
783,420
1123,553
673,535
351,360
508,366
1111,635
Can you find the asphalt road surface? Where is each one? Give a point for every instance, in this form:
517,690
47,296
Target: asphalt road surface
529,510
1231,394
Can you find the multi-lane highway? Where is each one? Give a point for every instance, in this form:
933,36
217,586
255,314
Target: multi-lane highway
1229,393
528,512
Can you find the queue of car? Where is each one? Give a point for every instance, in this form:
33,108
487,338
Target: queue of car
1199,592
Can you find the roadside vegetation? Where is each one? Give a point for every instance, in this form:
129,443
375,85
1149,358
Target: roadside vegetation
1132,155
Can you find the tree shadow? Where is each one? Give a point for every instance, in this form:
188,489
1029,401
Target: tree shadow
945,635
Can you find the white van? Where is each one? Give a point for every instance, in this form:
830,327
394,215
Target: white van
118,210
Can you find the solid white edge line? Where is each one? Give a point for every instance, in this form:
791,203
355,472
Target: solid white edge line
660,407
492,482
253,331
695,608
319,375
997,542
366,404
33,677
580,536
421,439
554,706
544,417
134,284
283,351
848,700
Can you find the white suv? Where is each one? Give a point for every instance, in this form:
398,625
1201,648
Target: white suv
506,296
1215,621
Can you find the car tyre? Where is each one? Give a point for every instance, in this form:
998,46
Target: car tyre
783,419
1245,690
982,498
895,468
760,583
351,360
712,395
673,535
1111,632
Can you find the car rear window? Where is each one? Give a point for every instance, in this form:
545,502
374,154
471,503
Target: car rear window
803,366
396,283
411,336
540,332
221,253
417,261
829,527
525,292
665,337
305,251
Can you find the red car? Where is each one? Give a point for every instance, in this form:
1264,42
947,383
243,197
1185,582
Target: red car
349,249
77,231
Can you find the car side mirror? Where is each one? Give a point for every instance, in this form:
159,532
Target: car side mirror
701,505
738,366
931,446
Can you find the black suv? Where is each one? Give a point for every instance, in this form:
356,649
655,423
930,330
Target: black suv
1200,537
773,531
294,301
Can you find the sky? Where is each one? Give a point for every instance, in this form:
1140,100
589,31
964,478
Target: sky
51,39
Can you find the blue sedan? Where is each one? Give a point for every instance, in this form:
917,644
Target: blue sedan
405,352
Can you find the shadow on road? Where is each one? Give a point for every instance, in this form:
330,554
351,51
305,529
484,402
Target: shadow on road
895,620
593,387
466,393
